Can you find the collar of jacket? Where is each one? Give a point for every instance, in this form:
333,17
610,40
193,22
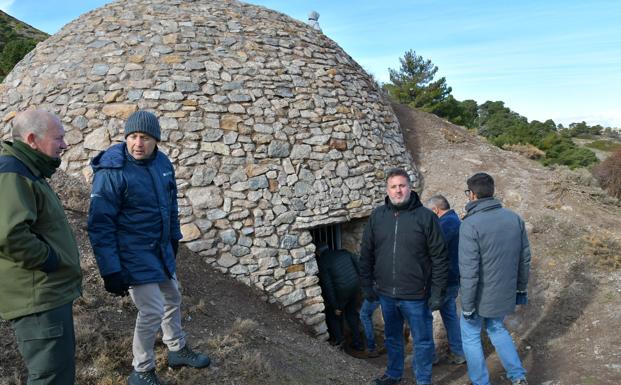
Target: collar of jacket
115,157
450,215
480,205
413,203
39,164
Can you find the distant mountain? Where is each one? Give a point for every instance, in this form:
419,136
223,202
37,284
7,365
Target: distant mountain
16,40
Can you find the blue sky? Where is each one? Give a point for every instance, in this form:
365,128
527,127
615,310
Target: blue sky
551,59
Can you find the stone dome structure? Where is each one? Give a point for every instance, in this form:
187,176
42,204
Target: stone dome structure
274,131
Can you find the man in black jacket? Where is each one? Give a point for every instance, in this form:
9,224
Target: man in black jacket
338,277
404,254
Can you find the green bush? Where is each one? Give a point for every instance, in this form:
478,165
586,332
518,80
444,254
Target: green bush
13,52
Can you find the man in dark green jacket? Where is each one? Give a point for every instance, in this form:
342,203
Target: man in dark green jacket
40,274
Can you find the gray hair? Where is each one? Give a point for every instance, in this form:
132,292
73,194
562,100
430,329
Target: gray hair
398,172
440,202
32,121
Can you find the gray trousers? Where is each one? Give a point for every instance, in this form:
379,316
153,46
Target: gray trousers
159,305
46,342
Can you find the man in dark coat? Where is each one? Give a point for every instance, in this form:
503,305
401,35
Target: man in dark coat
338,277
494,263
133,227
404,254
449,222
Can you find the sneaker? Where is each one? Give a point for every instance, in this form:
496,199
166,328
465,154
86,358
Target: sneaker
387,380
455,359
187,357
143,378
373,353
519,382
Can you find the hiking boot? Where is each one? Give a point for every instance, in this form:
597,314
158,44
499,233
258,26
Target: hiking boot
356,347
373,353
143,378
187,357
519,382
387,380
455,359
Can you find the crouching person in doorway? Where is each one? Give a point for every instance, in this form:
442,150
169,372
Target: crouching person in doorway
134,229
338,277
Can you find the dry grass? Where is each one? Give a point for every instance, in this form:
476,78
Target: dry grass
605,250
223,346
608,174
452,135
527,150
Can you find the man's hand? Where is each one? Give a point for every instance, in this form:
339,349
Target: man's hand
469,315
521,298
114,284
51,263
369,294
435,302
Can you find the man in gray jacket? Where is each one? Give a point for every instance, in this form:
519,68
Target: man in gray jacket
494,262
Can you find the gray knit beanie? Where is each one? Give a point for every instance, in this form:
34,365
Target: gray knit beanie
143,121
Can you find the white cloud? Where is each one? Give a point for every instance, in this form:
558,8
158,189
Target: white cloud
5,5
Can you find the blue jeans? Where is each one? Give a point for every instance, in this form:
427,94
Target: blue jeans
366,318
501,339
416,312
448,311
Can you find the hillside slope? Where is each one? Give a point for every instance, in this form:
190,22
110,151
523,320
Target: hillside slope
16,40
568,333
10,27
250,341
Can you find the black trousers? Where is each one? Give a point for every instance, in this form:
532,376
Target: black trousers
335,323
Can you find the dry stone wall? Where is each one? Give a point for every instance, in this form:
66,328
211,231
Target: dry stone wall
273,129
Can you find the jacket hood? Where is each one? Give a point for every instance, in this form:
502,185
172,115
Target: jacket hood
482,205
413,203
114,157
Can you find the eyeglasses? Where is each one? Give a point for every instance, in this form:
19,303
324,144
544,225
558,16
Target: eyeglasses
467,192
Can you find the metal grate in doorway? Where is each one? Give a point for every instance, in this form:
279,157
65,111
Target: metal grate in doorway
330,235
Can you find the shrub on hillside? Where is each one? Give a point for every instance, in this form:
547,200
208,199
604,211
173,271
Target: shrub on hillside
527,150
608,174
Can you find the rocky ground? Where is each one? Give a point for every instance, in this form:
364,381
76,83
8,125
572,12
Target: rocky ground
567,334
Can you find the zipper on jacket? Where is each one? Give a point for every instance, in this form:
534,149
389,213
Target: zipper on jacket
394,255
